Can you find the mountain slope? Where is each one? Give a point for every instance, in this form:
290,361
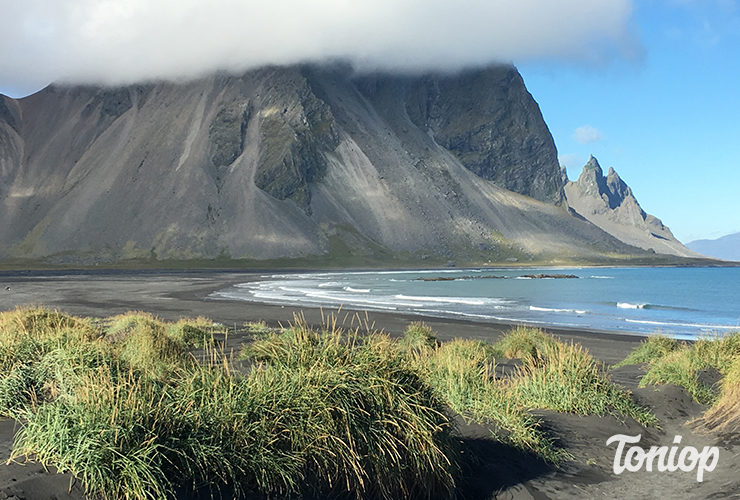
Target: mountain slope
284,163
727,247
609,203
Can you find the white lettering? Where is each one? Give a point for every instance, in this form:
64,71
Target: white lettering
689,450
618,467
639,456
672,466
703,457
687,460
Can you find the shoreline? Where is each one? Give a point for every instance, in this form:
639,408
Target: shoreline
171,296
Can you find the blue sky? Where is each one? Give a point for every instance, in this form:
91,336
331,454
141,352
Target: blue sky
649,87
668,120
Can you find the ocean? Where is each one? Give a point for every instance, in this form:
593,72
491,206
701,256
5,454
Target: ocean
680,302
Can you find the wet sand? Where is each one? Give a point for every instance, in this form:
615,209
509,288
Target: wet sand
503,472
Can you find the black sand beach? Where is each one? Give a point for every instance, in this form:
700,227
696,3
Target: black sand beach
503,472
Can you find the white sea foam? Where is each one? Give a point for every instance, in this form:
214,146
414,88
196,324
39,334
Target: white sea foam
692,325
460,314
547,309
446,300
394,290
627,305
353,300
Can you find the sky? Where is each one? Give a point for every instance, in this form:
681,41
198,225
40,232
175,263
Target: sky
668,121
649,87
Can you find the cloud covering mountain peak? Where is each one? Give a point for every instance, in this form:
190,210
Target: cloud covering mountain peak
125,41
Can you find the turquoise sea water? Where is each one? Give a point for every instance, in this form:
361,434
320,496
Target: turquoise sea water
683,302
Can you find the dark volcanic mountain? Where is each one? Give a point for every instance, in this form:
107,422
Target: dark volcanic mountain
288,162
608,202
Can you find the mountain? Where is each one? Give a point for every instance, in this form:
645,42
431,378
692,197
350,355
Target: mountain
608,202
726,248
290,162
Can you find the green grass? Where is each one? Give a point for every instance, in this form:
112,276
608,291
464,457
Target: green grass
461,372
724,415
670,361
523,343
563,377
361,403
124,405
566,378
655,347
320,413
553,376
40,350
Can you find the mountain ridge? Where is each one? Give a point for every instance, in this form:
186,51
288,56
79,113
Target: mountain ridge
726,247
289,163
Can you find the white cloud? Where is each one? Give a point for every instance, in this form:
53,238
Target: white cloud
587,134
122,41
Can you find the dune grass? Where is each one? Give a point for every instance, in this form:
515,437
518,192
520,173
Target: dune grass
553,375
724,415
463,372
40,352
320,413
364,406
564,377
669,361
653,348
124,405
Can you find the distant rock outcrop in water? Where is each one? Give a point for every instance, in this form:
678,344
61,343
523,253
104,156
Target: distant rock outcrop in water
609,203
290,162
726,248
539,276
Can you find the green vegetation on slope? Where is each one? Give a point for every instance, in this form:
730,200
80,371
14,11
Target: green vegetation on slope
553,375
124,405
692,365
565,377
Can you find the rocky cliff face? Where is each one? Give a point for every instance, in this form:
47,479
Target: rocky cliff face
609,203
284,163
489,121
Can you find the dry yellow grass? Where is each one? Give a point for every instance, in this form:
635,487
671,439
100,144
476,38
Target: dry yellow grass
724,415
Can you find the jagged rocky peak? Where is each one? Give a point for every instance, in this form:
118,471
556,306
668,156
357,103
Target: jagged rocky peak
611,188
608,202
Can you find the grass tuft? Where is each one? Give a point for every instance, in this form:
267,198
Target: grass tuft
328,412
462,374
418,338
566,378
124,405
524,343
724,415
683,364
653,348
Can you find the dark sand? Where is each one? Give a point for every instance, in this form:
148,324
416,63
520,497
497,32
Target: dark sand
503,473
